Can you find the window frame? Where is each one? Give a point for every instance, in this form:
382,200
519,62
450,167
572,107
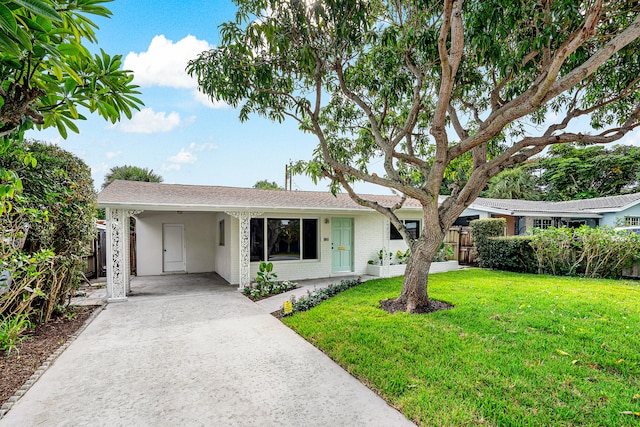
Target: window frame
393,230
264,241
544,223
632,221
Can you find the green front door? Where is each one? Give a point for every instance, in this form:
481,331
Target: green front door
341,245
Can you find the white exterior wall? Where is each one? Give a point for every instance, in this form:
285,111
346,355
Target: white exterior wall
368,230
199,235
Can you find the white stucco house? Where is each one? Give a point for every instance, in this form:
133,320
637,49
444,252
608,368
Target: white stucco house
307,235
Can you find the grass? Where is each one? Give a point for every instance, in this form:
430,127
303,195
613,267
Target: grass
517,350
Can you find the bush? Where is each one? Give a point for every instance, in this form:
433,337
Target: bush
261,290
57,210
589,252
315,297
483,230
510,253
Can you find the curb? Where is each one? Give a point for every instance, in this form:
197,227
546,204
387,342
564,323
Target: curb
45,365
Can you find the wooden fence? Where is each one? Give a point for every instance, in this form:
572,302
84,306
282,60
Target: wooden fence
460,240
96,262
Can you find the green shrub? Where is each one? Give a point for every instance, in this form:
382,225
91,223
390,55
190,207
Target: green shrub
585,251
58,204
483,230
262,290
315,297
510,253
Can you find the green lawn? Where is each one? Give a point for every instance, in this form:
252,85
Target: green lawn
516,350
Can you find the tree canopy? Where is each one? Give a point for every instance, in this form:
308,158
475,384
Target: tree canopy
434,90
571,172
130,173
265,184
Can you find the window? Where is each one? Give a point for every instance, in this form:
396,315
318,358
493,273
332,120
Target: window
286,239
413,227
632,221
542,223
221,233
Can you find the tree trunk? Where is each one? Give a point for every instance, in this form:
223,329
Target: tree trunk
414,293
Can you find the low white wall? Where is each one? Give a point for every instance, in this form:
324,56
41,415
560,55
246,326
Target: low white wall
399,269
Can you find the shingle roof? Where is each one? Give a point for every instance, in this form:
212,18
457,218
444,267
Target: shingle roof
136,194
141,194
600,204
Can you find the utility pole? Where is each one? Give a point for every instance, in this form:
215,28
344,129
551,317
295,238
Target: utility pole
288,177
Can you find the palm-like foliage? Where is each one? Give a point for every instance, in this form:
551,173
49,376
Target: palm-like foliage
130,173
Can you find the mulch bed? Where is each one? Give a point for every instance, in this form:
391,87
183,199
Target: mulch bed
41,342
392,306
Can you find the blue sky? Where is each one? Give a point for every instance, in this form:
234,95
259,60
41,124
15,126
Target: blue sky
179,133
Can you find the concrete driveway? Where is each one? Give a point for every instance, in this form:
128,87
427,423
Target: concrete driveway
189,350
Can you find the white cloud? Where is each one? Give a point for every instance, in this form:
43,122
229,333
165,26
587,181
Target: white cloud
148,121
202,147
183,157
165,62
112,154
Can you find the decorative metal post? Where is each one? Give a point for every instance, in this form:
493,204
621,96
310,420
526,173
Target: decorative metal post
117,254
244,220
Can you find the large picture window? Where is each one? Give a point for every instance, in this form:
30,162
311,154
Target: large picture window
283,239
413,227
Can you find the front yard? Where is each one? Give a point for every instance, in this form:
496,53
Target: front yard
515,350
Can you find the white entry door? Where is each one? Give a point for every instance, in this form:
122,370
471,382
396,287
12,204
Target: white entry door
173,247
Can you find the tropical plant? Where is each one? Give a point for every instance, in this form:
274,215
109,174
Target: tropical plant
516,183
432,91
47,72
265,275
12,330
130,173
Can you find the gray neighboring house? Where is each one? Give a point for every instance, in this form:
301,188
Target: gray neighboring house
307,235
524,215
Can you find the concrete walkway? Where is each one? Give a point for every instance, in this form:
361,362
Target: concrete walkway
190,351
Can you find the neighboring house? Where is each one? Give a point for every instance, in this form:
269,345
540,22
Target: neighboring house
192,229
524,215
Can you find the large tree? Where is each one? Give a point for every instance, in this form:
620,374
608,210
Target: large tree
435,89
569,172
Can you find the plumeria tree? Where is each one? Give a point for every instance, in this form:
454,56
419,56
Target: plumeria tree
449,90
48,76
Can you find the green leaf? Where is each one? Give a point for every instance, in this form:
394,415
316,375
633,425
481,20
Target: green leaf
7,20
40,8
68,49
